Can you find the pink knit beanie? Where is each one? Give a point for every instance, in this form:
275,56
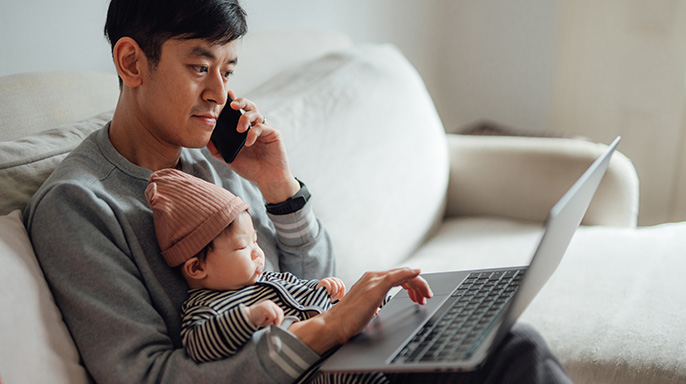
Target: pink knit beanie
188,213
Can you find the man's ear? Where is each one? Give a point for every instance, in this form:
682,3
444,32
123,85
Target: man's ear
194,269
129,60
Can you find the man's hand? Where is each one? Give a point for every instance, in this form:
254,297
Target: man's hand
264,313
352,313
263,159
334,287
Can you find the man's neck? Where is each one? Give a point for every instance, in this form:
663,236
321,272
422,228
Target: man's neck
133,140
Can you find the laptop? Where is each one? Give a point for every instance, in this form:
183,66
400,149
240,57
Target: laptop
471,311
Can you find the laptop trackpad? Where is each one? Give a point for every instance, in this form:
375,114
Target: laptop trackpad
385,334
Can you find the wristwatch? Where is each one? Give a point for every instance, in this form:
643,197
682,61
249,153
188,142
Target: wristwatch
292,204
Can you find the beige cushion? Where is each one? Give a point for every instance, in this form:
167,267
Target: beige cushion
35,345
341,116
33,102
25,163
614,311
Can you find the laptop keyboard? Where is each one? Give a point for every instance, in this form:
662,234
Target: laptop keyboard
464,320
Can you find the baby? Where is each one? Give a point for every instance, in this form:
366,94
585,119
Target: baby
207,232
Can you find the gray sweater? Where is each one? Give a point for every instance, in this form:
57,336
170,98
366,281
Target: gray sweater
93,234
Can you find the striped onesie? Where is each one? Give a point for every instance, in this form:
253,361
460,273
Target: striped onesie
214,327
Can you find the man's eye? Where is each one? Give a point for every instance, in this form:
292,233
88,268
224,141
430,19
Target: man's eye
227,75
201,68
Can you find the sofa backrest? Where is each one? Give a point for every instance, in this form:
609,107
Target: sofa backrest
34,102
362,131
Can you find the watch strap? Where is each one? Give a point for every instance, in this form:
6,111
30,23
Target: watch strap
292,204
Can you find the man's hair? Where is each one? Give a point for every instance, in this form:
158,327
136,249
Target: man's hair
152,22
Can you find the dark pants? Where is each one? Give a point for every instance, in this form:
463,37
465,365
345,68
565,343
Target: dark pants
523,357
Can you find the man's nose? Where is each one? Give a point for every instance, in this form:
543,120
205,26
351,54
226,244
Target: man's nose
216,89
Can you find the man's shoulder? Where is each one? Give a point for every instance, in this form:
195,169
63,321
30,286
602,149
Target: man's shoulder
81,167
82,177
82,163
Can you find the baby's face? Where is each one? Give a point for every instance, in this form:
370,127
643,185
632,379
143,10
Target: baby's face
235,260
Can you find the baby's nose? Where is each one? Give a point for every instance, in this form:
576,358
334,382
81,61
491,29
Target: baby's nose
256,252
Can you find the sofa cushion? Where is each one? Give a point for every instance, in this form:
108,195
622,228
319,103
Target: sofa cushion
362,132
35,101
614,311
35,346
25,163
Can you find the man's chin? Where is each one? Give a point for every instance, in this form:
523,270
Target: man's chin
198,143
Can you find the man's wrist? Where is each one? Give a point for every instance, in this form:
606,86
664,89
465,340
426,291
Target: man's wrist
292,204
278,192
314,333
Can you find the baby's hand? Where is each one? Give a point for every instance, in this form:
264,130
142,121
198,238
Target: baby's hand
334,287
264,313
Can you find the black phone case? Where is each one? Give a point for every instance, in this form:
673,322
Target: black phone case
225,137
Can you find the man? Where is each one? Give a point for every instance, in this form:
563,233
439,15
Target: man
93,232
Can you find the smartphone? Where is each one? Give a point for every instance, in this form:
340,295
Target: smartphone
225,137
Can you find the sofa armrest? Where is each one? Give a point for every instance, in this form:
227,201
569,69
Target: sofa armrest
523,177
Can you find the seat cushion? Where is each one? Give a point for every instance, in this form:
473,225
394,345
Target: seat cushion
615,311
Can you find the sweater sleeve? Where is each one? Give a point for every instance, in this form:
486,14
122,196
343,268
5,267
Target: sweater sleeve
305,245
118,320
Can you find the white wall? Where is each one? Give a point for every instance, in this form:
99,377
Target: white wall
40,35
622,67
480,59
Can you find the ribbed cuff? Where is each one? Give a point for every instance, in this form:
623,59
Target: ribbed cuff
283,355
297,228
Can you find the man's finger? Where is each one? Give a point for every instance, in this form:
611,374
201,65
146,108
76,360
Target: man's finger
399,276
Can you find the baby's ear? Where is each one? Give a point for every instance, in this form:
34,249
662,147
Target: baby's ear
194,269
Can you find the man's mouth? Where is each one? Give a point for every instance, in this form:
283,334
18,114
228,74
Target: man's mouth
209,118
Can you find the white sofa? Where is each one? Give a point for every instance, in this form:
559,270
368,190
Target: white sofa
393,189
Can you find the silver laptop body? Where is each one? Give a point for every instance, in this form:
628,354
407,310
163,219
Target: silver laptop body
389,343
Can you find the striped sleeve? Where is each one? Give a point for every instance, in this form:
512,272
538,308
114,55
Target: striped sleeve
208,335
297,228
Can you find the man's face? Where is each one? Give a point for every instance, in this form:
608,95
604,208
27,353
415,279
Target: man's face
180,99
